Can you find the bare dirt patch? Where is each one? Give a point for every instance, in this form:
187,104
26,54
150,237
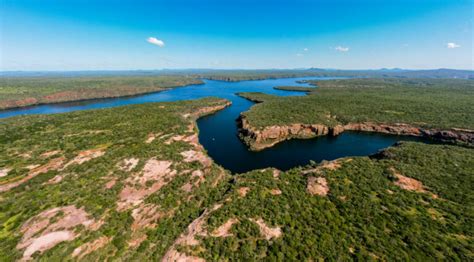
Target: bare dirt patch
4,171
151,137
196,228
153,177
275,192
224,229
407,183
110,183
50,153
326,165
174,256
128,164
331,165
199,156
90,247
53,164
52,227
85,156
317,186
32,166
243,191
198,177
266,231
56,179
146,216
276,173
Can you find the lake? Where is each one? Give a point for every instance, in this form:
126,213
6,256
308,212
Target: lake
218,132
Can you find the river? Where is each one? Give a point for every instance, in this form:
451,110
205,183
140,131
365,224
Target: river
218,132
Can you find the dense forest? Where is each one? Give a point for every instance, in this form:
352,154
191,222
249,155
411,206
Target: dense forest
133,183
27,91
440,103
18,89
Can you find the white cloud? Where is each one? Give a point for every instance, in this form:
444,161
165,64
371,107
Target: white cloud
299,54
155,41
452,45
341,49
305,49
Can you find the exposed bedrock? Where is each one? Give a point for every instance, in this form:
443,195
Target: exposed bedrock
258,139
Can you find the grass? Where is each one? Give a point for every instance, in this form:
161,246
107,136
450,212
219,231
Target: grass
426,103
18,92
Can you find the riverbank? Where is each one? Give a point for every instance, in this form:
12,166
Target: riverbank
24,92
259,139
441,110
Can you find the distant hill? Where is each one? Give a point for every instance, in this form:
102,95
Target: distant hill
248,74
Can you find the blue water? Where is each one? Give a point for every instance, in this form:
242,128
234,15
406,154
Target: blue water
218,132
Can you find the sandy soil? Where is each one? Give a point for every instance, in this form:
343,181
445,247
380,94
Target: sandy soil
407,183
243,191
4,171
275,192
266,231
317,186
224,229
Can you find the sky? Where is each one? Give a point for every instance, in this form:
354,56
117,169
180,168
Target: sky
69,35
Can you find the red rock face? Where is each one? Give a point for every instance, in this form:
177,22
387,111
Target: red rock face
398,129
258,139
269,136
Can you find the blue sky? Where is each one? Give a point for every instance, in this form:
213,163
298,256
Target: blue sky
96,35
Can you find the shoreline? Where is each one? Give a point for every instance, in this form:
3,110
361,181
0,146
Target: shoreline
259,139
16,107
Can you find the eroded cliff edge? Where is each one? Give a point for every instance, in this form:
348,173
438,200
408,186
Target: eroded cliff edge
259,139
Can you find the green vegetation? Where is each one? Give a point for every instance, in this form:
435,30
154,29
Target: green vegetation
441,103
122,134
365,215
239,75
17,92
295,88
29,88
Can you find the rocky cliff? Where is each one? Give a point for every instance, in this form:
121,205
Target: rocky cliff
258,139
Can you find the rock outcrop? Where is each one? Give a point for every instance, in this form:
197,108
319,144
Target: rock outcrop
258,139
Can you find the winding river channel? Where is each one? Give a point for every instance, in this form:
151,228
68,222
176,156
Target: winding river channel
218,132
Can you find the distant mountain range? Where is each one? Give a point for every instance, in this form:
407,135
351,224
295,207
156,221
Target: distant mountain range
383,72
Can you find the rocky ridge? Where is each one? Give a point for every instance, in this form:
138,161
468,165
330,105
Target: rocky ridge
259,139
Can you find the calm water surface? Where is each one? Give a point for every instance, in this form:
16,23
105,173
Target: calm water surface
218,132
